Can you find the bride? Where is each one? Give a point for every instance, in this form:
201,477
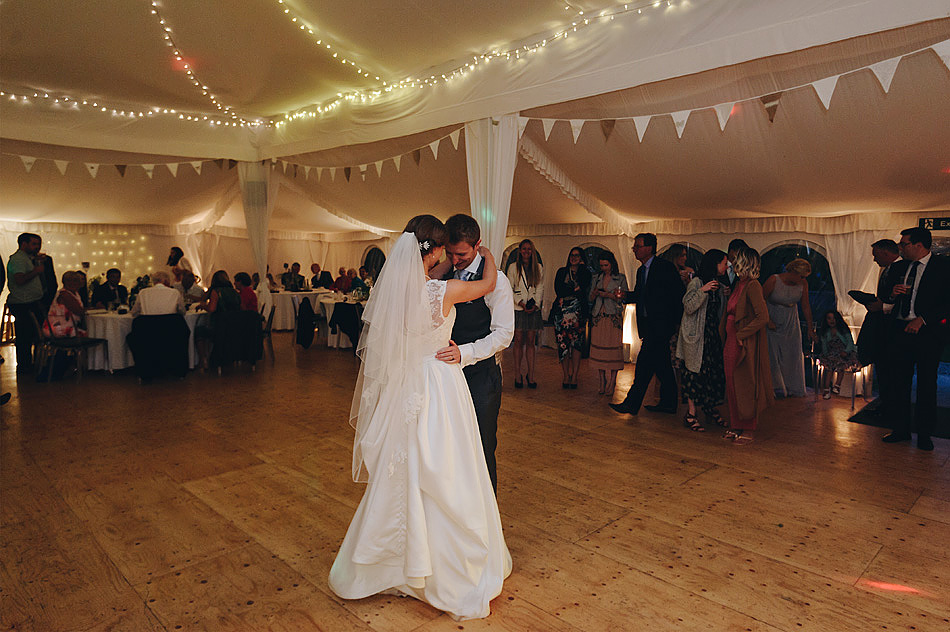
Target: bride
428,524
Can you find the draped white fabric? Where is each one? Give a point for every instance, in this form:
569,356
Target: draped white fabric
491,150
852,268
259,186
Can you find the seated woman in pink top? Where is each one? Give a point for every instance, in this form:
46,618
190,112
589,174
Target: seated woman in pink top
242,283
66,313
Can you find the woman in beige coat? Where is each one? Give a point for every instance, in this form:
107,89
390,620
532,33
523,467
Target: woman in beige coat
746,353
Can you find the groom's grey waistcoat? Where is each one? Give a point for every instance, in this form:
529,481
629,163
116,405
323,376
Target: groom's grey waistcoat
472,319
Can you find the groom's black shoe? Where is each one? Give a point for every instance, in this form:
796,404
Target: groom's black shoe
622,408
896,437
670,410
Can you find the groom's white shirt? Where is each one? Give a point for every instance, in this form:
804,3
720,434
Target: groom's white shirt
501,303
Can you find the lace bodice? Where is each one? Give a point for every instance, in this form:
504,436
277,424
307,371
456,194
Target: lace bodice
441,331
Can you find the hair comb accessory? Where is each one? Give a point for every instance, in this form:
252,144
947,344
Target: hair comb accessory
424,245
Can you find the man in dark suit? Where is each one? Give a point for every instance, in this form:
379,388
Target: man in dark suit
110,291
658,296
875,331
919,289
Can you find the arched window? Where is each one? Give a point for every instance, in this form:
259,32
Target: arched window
373,261
693,254
821,288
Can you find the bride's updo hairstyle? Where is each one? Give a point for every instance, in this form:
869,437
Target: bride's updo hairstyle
427,228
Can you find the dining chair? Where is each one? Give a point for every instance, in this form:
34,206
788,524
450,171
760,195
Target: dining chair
48,346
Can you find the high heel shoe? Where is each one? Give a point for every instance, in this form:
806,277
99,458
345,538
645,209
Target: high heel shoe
519,383
532,384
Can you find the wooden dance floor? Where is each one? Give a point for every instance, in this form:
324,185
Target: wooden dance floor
218,503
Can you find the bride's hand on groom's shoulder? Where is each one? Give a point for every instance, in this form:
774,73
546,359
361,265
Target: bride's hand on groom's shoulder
486,253
450,354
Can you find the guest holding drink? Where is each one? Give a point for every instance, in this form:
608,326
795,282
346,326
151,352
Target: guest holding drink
569,313
699,345
606,336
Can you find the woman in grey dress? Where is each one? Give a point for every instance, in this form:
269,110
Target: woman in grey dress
783,292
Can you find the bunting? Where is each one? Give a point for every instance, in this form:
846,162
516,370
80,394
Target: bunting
93,168
28,162
825,89
576,126
149,170
679,121
434,146
173,168
196,165
61,165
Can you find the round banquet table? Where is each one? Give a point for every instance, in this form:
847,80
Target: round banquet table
114,327
285,304
337,340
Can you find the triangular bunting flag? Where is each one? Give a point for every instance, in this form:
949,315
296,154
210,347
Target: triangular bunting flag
642,122
723,112
283,165
306,172
319,173
548,125
522,123
455,138
679,121
607,128
93,169
770,101
576,126
825,89
220,163
61,165
417,156
379,168
363,169
28,162
397,160
149,170
884,71
943,52
121,170
332,174
231,164
173,167
434,146
346,172
196,165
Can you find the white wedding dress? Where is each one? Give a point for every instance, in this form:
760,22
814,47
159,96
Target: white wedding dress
428,524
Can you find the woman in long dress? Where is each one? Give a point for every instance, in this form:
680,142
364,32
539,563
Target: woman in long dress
569,313
606,336
783,292
746,356
428,525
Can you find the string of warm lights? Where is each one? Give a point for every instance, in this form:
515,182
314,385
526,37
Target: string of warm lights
192,77
580,20
26,96
335,51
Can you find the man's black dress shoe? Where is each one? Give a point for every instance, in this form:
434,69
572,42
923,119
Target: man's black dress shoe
621,408
895,437
670,410
925,443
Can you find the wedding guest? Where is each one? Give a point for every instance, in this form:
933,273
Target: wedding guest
836,351
292,280
50,284
734,247
783,293
746,357
222,297
256,280
343,282
111,292
4,397
159,299
607,294
24,270
365,277
189,289
242,283
177,263
527,282
320,279
677,254
84,288
570,310
64,318
699,346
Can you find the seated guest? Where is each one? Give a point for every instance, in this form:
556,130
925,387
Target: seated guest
321,279
83,288
315,278
159,299
365,277
356,283
242,283
66,312
271,283
110,292
293,281
255,280
343,282
222,297
190,291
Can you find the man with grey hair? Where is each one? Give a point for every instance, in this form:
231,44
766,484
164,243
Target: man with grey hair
159,299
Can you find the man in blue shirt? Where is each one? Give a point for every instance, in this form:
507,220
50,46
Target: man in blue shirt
24,270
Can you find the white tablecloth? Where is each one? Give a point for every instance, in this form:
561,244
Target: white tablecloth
114,328
286,309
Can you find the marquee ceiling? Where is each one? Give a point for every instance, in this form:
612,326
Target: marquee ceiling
867,150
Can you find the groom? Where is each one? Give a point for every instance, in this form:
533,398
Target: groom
483,328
